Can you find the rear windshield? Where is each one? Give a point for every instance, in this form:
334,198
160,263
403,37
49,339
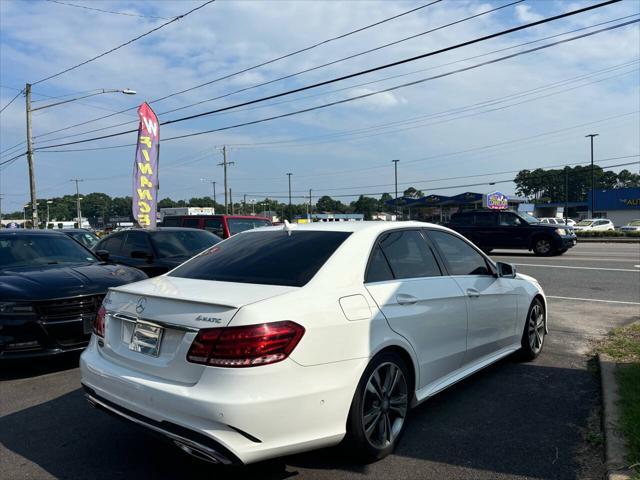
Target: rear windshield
268,258
237,225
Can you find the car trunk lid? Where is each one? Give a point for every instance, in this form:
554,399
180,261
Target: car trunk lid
150,325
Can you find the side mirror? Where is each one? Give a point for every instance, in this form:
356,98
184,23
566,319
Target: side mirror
506,270
142,255
102,255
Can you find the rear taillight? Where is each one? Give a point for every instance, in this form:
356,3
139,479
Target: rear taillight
246,346
98,325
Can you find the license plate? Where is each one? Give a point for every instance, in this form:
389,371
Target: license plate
87,324
146,338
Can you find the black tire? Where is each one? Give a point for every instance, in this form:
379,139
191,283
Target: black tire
543,246
391,410
532,344
562,251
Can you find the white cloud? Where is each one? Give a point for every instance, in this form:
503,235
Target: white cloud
524,13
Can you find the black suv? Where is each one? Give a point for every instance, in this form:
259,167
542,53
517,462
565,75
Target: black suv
490,229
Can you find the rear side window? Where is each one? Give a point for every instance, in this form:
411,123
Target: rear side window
237,225
171,222
191,223
111,244
268,258
407,254
461,258
485,219
135,242
379,270
462,219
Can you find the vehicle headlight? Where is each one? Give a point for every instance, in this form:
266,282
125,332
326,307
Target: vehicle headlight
561,231
15,309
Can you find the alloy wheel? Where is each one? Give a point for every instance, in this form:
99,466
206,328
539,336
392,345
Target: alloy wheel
536,328
385,405
543,246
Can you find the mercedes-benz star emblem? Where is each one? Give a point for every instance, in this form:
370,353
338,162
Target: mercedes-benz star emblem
140,306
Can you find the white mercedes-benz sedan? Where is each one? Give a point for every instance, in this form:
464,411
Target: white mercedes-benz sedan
285,339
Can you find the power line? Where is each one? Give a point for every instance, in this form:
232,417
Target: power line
11,101
363,72
348,87
179,17
268,62
106,11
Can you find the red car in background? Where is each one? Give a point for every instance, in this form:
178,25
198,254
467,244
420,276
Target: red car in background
223,226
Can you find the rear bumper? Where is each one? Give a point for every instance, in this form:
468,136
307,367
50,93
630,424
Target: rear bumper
244,415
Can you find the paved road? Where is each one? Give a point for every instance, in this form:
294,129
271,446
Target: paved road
511,421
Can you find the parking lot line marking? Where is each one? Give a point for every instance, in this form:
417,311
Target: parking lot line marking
594,300
577,268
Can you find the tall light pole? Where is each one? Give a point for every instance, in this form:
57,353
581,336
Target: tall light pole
32,174
593,177
78,209
289,175
395,168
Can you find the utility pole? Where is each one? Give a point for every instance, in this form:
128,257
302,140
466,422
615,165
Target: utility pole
231,201
244,204
593,177
214,193
566,195
310,205
32,173
289,213
395,167
78,209
225,163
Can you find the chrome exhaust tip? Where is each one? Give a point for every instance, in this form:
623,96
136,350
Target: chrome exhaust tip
196,452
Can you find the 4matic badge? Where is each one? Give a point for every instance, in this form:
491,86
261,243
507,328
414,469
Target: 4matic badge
202,318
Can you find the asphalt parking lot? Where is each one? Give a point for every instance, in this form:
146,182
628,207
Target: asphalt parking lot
512,421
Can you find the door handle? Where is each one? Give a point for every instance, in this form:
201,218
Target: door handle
404,299
472,292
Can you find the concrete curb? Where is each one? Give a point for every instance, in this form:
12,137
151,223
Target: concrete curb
615,448
608,240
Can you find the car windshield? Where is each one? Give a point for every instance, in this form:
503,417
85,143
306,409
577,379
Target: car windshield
183,243
585,223
528,218
268,258
634,223
237,225
38,250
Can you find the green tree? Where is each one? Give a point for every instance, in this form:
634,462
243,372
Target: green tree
365,205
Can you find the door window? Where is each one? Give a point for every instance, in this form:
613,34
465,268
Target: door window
461,258
509,219
135,241
407,254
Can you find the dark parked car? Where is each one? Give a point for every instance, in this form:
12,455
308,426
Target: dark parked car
154,251
223,226
50,290
82,235
490,229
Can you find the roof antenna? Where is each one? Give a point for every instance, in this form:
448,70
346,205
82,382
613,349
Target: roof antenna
288,227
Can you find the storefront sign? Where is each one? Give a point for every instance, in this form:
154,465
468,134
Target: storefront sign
496,201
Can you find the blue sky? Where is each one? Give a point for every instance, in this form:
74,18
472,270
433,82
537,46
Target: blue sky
438,129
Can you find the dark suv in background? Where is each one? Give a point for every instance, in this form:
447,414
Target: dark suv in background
490,229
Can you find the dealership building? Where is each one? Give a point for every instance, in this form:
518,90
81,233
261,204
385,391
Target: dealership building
620,205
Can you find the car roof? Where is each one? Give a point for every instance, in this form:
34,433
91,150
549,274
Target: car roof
159,229
354,227
25,231
74,230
